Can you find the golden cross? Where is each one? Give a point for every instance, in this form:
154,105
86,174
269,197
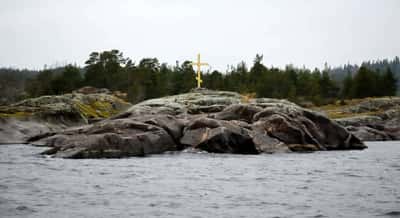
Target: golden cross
199,64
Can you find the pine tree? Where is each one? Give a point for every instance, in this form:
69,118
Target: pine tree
389,83
347,86
364,83
256,74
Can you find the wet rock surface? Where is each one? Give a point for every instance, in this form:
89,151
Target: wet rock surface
212,121
112,139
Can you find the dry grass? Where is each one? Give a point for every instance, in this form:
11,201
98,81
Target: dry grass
338,109
246,97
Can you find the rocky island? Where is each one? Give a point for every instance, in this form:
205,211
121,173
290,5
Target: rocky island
213,121
370,119
39,116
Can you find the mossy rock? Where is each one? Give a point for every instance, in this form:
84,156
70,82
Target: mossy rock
69,105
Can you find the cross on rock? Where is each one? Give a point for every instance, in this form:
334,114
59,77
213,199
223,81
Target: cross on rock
198,64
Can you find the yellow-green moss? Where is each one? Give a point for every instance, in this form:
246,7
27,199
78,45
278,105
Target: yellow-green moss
337,110
86,110
96,109
16,114
340,114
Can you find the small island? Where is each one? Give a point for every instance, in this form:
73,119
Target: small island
213,121
151,109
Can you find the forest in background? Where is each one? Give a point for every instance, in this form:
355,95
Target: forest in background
150,79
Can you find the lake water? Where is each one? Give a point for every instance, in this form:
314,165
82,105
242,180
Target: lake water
322,184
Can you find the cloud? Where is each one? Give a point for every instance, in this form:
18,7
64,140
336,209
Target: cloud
38,32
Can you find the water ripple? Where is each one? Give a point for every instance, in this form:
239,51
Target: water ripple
199,184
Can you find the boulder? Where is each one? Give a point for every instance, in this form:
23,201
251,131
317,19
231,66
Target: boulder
112,139
218,136
287,131
330,134
368,134
265,143
172,125
292,124
225,140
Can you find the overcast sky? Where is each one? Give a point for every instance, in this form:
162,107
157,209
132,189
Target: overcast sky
309,32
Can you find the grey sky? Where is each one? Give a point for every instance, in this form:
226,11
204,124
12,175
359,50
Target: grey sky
309,32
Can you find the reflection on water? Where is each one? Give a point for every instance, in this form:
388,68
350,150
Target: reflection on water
322,184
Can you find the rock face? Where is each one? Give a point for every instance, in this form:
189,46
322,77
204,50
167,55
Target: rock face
218,136
373,119
208,120
22,120
115,138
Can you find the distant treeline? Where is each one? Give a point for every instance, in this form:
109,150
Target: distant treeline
150,79
12,84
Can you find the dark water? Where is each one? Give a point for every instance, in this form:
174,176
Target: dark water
323,184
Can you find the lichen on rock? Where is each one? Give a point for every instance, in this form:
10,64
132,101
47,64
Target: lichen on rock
54,113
